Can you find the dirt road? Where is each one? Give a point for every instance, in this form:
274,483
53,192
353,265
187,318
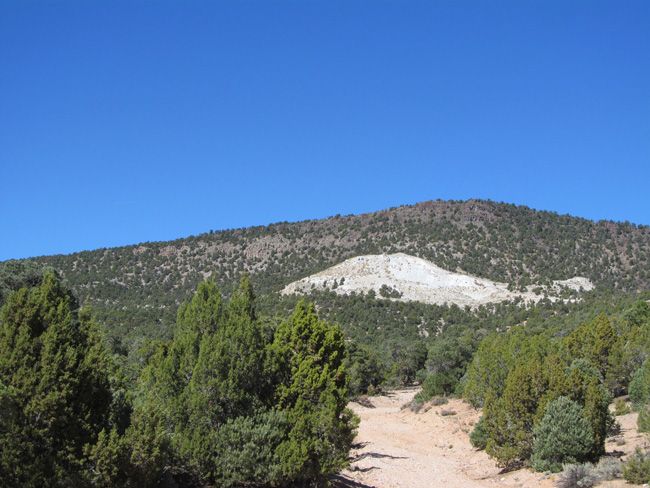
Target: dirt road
397,448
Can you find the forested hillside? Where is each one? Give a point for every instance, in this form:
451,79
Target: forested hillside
141,286
181,383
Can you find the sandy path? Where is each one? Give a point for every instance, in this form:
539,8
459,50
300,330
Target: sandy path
397,448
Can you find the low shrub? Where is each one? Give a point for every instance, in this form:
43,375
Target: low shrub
577,476
637,468
479,436
564,435
621,407
447,413
609,468
643,421
437,401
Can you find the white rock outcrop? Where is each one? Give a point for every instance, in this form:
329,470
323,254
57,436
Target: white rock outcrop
415,279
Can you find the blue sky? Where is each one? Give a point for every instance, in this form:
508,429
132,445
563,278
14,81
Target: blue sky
123,122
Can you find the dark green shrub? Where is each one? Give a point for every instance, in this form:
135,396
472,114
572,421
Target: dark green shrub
365,370
637,468
562,436
479,436
436,384
55,386
247,448
228,404
510,418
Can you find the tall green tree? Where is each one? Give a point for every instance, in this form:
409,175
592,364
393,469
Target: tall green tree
308,358
510,418
594,341
212,371
221,405
55,387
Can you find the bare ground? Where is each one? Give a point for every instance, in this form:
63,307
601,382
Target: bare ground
397,448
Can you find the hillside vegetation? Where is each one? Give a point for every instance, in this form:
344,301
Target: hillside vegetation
171,379
141,286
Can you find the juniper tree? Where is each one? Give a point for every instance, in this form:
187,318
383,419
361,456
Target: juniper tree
308,363
54,386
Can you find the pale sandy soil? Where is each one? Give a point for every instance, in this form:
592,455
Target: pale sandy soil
396,448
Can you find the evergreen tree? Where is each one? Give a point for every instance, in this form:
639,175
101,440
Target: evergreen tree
583,384
563,436
220,405
364,368
510,419
594,341
54,387
308,358
210,373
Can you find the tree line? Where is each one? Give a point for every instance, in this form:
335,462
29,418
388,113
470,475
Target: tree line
232,399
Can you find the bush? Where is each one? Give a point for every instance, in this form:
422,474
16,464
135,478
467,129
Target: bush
562,436
621,407
640,386
479,436
437,401
637,468
247,448
55,386
577,476
436,384
643,421
609,468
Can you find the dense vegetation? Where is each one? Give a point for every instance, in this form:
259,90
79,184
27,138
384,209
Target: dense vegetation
546,395
135,290
230,400
168,381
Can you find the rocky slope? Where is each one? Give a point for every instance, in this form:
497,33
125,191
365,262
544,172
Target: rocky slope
409,278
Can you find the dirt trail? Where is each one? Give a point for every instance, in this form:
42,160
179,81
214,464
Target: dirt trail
397,448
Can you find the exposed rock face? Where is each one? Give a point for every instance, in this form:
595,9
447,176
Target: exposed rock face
403,277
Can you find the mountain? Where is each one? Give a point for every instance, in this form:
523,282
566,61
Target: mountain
140,286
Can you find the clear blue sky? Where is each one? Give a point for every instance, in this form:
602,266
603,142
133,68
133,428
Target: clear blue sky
123,122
